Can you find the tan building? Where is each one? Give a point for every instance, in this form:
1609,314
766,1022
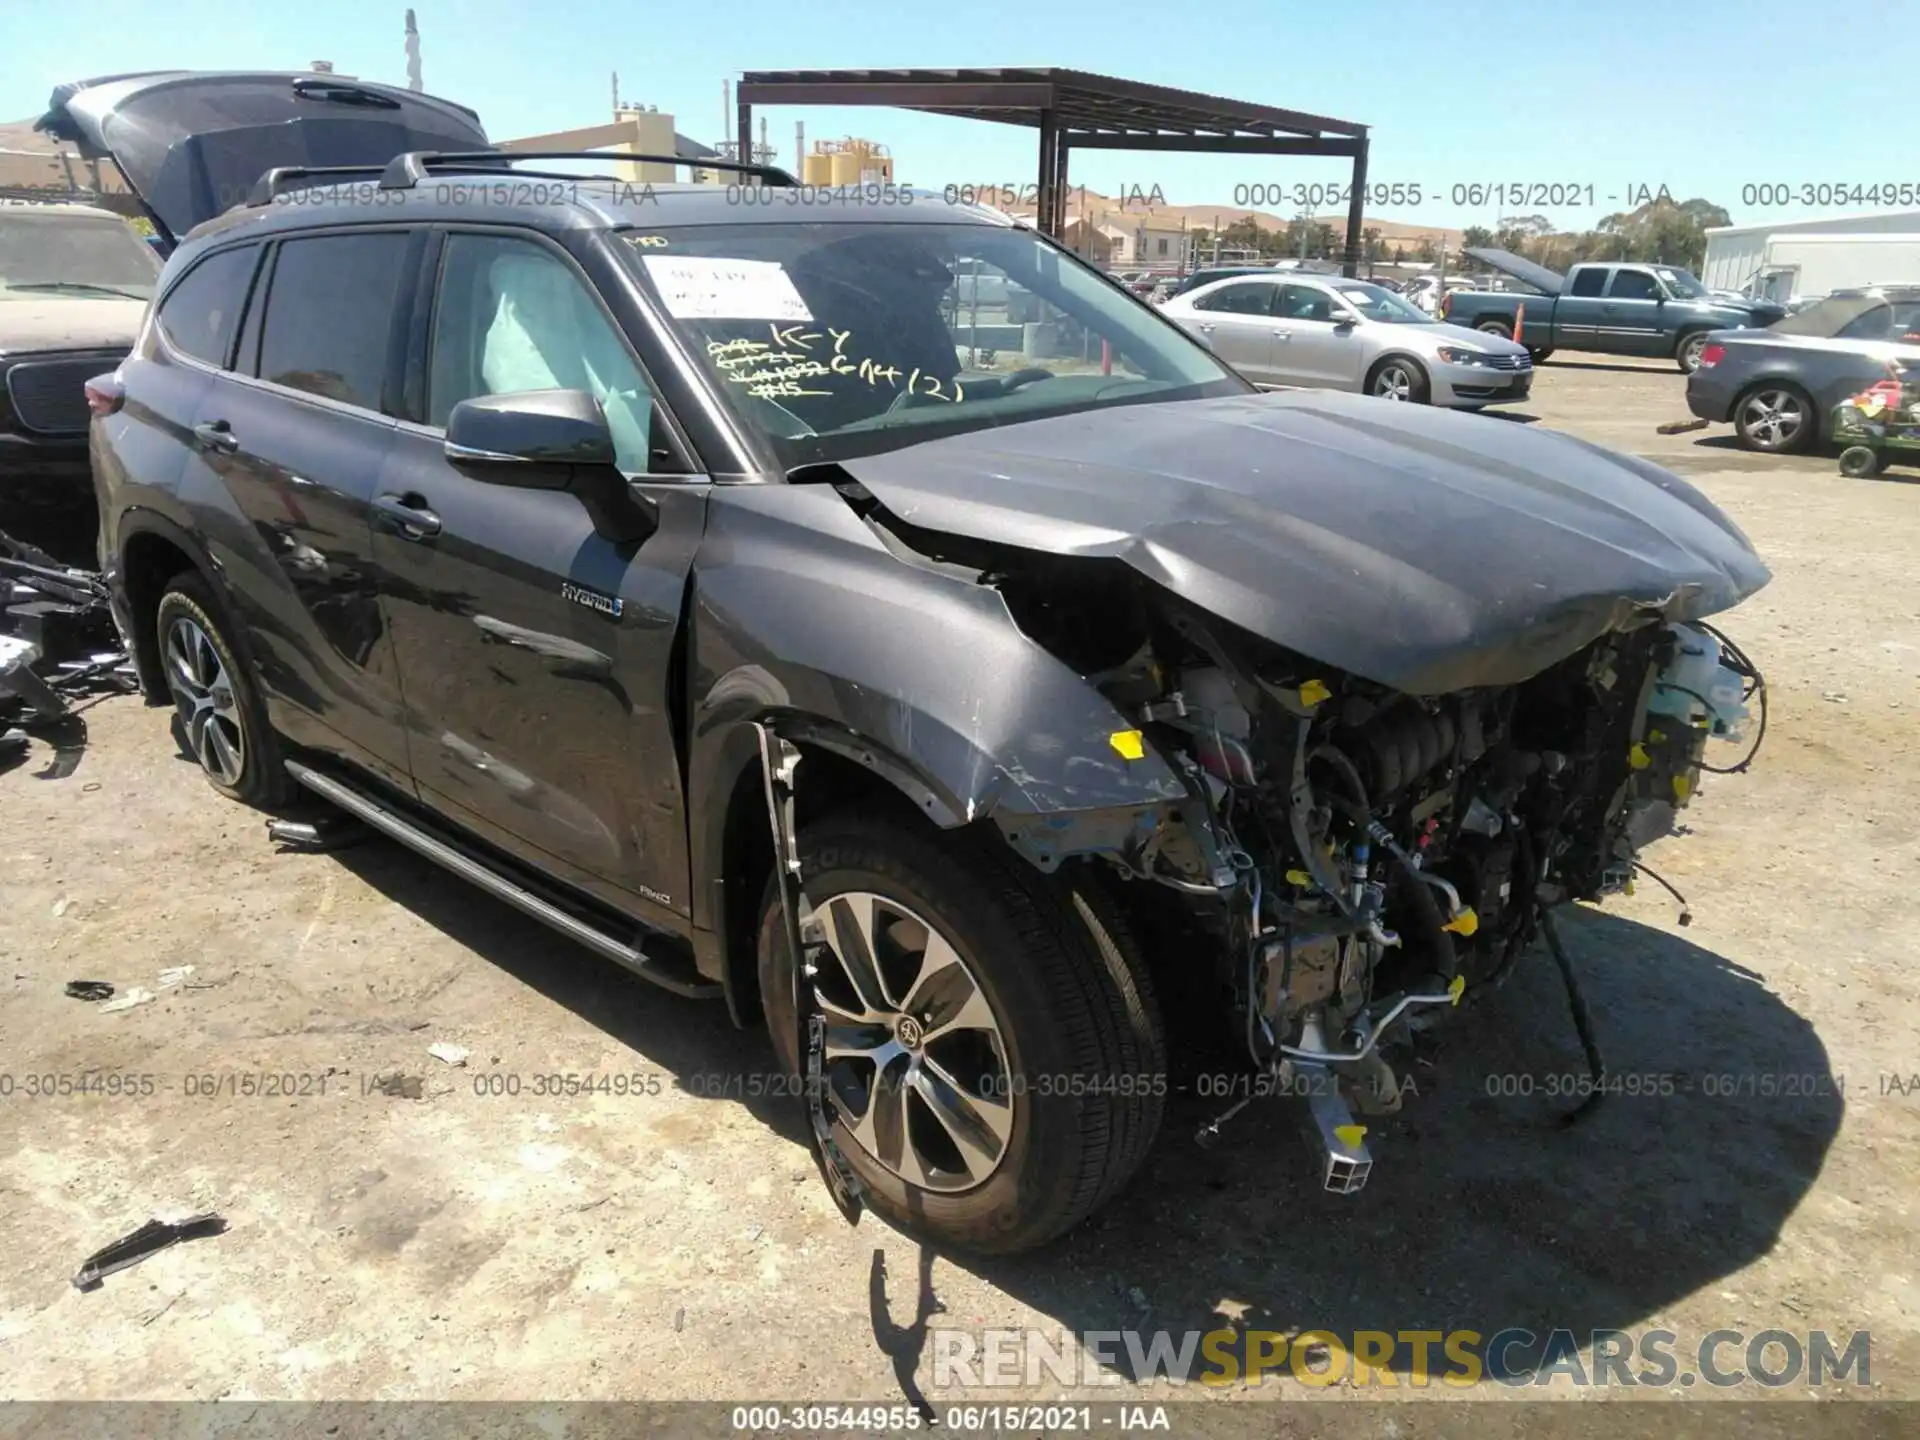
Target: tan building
632,128
1143,243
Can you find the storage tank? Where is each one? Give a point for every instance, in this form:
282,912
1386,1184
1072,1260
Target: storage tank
817,170
846,167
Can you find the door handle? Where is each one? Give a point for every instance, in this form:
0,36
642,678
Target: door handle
1282,334
1204,329
217,435
414,522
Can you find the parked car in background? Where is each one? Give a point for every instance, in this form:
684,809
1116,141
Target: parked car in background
1779,386
1218,272
74,284
1613,309
1322,332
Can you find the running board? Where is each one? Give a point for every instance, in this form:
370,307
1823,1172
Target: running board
490,880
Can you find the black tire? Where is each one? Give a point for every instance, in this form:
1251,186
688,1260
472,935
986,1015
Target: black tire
188,609
1861,462
1540,357
1495,327
1072,1001
1763,418
1418,388
1686,350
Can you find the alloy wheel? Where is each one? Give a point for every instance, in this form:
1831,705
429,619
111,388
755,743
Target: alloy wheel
203,693
914,1055
1772,419
1691,351
1394,382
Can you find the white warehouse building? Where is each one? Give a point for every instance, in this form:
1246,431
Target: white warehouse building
1803,259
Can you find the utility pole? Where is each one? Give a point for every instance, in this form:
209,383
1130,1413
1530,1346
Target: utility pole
413,53
800,149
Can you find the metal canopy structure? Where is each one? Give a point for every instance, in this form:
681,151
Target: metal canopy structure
1072,108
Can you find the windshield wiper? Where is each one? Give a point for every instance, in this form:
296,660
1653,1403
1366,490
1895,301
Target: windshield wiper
82,286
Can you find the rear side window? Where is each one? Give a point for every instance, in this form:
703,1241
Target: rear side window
330,313
199,313
1589,281
1255,298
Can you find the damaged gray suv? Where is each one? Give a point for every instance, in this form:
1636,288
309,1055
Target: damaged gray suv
704,571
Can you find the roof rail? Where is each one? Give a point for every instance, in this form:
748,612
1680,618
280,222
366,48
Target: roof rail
269,186
404,172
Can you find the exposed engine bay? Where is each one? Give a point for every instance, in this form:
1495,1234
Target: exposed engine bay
1365,857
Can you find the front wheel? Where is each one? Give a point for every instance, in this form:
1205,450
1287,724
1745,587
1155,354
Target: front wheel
1397,378
993,1050
219,717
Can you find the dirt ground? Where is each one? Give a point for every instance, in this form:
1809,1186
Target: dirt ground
484,1241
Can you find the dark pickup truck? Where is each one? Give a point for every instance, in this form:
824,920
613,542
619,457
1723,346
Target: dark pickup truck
1616,308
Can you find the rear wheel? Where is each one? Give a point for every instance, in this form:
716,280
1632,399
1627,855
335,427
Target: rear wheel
1687,351
1776,418
1495,327
1541,355
993,1046
1861,461
219,716
1398,378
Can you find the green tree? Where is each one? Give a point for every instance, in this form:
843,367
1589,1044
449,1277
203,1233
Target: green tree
1476,235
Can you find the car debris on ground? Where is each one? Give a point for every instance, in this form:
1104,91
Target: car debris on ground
150,1239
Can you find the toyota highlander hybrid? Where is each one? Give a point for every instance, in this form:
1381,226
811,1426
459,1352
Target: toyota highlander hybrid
703,579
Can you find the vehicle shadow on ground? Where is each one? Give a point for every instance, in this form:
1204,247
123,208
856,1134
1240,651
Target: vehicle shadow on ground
694,1039
1484,1211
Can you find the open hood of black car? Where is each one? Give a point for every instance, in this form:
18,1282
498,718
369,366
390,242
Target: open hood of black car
1417,548
192,144
1547,282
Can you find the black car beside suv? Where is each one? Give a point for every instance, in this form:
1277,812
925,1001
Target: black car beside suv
662,560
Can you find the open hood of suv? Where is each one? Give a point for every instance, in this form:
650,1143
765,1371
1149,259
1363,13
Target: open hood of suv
1417,548
192,144
1547,282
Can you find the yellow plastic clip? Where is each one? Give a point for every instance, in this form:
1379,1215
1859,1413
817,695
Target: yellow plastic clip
1465,923
1656,736
1313,692
1129,743
1682,787
1638,757
1350,1135
1457,987
1299,877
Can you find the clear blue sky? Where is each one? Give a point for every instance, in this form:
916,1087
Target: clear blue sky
1702,96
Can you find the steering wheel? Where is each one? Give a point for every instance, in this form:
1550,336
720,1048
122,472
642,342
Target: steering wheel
1013,382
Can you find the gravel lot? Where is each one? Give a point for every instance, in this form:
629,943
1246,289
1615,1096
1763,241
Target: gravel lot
675,1243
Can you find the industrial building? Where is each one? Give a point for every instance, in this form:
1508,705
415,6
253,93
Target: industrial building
1803,259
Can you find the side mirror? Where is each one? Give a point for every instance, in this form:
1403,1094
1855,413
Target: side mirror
550,440
531,440
1343,324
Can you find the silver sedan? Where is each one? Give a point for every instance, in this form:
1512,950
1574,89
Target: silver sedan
1328,333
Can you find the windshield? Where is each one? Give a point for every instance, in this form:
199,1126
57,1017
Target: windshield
77,256
1376,302
1829,318
837,340
1681,283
